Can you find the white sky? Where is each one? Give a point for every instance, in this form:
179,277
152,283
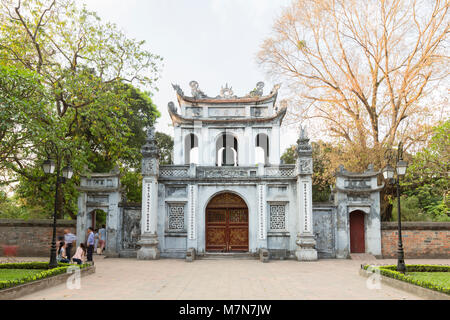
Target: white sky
211,41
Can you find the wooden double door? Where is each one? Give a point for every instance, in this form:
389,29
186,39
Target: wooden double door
227,224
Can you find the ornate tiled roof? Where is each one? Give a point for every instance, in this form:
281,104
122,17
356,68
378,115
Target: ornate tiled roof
179,119
226,95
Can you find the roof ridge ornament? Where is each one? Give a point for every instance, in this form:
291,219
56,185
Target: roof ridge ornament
172,107
275,88
258,91
195,91
178,89
226,93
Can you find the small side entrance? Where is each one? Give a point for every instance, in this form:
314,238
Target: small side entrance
357,237
227,224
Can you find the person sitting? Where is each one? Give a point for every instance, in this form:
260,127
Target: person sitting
80,254
62,257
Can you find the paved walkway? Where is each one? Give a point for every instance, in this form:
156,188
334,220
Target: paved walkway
226,279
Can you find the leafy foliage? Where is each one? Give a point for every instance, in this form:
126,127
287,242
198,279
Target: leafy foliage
427,181
131,182
70,79
391,271
323,168
62,268
165,146
24,114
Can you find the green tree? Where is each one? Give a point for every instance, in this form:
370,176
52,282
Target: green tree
83,64
138,113
89,70
23,114
323,168
288,156
165,146
427,177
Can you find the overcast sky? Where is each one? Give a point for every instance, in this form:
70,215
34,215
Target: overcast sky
211,41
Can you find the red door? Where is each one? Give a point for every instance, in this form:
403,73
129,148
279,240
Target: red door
357,243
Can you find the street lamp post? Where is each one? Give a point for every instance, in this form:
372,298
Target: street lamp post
389,173
49,167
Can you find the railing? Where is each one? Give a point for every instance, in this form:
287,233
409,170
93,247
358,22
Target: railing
182,171
280,171
226,172
174,171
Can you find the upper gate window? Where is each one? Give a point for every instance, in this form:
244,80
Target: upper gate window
191,149
262,148
226,150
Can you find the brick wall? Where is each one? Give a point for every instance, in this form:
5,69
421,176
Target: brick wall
33,237
420,239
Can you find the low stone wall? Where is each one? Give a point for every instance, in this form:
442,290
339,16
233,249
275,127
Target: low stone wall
33,238
420,239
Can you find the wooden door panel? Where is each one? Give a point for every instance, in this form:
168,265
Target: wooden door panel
357,242
238,239
237,216
216,238
216,232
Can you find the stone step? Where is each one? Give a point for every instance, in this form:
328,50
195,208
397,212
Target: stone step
228,255
362,256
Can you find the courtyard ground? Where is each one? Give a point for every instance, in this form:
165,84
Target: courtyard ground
227,279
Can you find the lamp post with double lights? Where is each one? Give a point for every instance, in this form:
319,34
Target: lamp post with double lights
390,175
49,167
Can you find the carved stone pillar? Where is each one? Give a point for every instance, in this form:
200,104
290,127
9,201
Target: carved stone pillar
149,217
306,242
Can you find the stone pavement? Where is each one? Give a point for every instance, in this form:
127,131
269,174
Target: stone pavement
227,279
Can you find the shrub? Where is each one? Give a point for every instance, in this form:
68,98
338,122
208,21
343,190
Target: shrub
391,272
62,268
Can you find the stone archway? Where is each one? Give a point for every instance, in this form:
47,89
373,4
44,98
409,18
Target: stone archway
226,224
100,191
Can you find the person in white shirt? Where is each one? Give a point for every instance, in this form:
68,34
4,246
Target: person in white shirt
70,240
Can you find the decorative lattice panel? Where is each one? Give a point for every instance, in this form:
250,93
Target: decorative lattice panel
280,172
277,217
173,172
176,217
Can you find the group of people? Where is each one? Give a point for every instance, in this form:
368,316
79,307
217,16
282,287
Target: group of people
96,240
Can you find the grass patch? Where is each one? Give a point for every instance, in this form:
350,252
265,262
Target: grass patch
13,274
438,278
434,277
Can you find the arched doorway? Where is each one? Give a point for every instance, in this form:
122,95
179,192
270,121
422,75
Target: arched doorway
226,224
357,237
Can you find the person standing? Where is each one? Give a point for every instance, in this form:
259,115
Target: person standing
69,239
95,240
102,238
90,244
